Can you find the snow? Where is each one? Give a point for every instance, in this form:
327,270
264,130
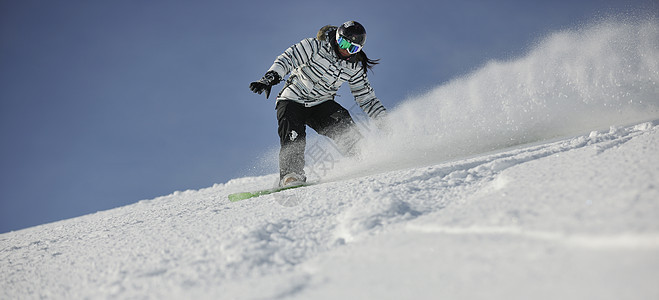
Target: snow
569,219
489,188
576,219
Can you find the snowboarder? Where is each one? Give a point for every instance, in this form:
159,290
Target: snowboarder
318,67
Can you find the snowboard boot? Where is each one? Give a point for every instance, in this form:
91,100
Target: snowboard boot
292,179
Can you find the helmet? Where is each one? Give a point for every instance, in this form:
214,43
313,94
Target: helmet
353,33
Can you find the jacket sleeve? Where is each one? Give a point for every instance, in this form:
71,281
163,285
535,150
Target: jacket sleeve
294,57
365,96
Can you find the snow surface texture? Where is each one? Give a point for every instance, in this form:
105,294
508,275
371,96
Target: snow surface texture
556,218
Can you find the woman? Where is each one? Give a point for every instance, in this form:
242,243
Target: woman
317,68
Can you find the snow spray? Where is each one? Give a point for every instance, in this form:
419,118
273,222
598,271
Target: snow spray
570,82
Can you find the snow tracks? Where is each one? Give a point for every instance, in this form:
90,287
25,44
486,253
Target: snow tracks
197,244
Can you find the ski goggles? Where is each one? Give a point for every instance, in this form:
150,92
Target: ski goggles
345,44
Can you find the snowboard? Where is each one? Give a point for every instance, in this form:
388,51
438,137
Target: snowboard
235,197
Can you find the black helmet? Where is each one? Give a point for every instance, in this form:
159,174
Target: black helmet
354,33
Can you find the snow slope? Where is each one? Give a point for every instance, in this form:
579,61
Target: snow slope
517,181
569,219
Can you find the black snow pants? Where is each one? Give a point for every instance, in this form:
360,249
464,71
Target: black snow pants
328,118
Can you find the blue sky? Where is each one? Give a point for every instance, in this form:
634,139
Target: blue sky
105,103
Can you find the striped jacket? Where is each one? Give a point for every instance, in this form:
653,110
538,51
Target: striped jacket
317,73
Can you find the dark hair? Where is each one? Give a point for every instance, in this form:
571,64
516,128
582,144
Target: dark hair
367,63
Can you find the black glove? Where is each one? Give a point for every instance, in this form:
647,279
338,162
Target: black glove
264,84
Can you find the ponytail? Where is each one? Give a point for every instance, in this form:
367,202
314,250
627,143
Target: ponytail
367,63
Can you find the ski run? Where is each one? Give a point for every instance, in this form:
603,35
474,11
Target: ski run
517,181
569,219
